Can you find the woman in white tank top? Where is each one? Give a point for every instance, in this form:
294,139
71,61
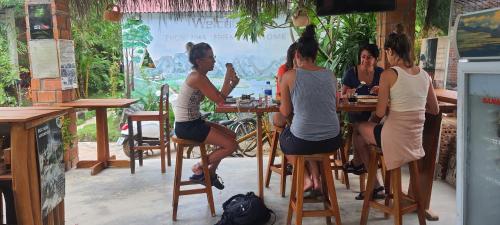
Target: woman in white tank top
189,125
408,93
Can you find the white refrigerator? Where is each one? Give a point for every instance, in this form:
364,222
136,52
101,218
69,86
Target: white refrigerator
478,142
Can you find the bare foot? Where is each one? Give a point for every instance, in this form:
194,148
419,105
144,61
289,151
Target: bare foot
308,183
317,185
197,169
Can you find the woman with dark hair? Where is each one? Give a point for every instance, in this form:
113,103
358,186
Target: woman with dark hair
188,122
289,64
362,79
310,92
407,90
278,119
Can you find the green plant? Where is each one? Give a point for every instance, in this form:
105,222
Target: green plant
68,137
98,54
88,132
339,36
9,76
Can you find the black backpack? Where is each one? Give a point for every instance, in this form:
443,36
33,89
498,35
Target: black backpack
245,210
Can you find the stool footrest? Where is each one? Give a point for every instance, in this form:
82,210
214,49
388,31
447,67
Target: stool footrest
142,148
187,182
193,191
317,213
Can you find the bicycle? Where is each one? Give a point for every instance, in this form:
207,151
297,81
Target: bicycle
246,133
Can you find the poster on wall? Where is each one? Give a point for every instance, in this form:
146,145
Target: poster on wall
254,62
43,57
51,166
40,19
67,62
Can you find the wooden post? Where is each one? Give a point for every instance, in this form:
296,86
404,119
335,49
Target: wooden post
386,22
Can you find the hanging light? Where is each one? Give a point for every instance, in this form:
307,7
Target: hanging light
300,17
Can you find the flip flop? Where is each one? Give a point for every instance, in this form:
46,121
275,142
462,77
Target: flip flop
351,168
376,194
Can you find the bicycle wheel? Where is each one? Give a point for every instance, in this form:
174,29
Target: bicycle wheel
246,147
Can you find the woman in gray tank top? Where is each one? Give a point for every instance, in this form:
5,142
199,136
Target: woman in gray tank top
188,123
310,92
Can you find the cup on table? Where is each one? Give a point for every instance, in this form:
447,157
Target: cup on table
351,98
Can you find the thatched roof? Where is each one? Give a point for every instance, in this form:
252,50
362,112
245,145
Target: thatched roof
179,7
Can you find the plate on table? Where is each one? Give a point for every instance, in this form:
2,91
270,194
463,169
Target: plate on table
230,100
367,100
367,97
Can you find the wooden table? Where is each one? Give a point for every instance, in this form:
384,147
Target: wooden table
100,106
448,96
430,142
24,167
259,111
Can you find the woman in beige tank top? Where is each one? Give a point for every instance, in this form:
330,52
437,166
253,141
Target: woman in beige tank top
401,136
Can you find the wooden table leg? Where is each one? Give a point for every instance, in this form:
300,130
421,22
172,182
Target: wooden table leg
260,156
102,140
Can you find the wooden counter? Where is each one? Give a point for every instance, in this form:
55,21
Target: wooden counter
24,168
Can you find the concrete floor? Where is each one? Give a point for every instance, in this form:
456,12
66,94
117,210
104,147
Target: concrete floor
116,197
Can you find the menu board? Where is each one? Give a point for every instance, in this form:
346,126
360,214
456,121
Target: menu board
51,166
67,64
482,153
40,20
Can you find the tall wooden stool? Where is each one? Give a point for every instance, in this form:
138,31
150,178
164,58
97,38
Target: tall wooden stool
393,192
277,168
297,193
180,145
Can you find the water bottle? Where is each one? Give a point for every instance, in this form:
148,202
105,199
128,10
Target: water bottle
268,92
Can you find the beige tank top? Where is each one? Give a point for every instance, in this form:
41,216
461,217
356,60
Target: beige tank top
188,104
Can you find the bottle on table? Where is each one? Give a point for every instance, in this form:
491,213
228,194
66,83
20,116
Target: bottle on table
268,93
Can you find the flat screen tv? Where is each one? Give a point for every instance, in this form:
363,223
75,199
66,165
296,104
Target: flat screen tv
335,7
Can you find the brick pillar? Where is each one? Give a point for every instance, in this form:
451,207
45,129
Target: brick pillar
49,56
387,21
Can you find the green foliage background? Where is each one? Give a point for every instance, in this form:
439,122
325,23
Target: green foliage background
340,37
98,52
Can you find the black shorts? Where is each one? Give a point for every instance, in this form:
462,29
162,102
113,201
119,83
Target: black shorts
292,145
377,132
196,130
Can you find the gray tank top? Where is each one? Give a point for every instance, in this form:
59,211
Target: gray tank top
187,107
314,105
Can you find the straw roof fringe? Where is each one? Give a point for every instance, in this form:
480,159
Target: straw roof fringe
179,8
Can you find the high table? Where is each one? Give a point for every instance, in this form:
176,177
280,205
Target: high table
431,134
25,176
100,106
259,111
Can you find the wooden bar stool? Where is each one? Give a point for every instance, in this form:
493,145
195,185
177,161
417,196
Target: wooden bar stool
180,145
393,192
297,191
277,168
164,141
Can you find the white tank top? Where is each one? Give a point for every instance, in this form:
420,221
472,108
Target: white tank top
187,107
409,93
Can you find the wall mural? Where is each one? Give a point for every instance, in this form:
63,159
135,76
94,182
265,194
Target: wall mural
255,63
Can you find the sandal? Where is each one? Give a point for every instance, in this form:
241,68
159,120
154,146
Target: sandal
349,167
376,194
215,179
